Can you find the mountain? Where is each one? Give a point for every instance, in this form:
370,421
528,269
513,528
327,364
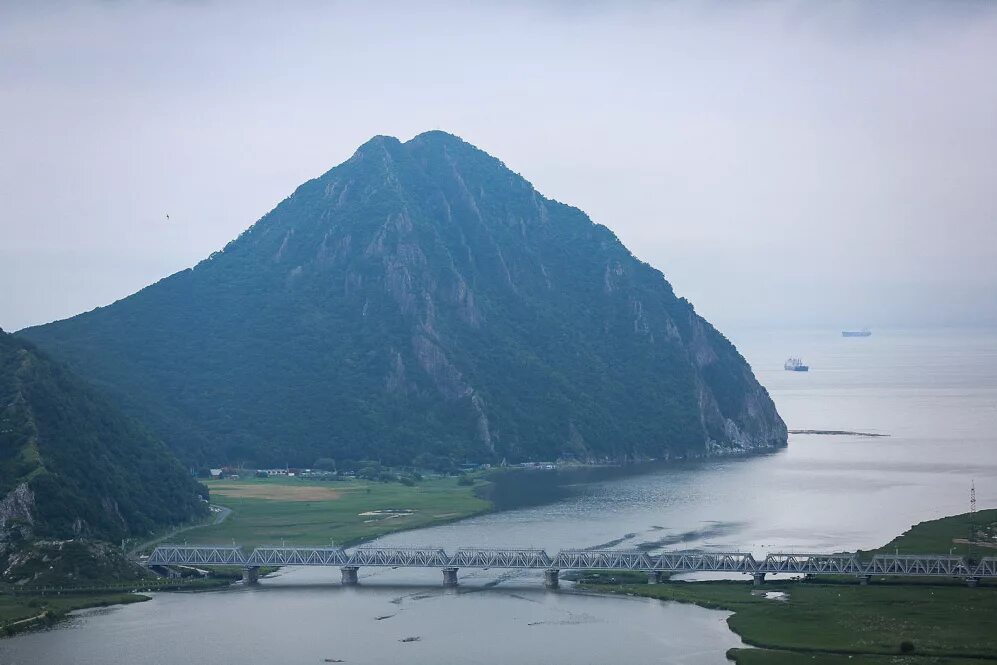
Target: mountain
73,466
420,300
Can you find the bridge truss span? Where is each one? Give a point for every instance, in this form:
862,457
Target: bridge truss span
399,557
297,556
197,555
500,558
846,563
715,562
987,567
918,565
602,560
811,564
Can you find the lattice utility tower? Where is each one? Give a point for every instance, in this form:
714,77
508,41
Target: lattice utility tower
972,512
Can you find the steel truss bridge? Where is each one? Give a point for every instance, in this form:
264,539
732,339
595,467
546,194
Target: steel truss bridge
349,561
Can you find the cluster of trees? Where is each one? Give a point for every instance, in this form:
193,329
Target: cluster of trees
443,464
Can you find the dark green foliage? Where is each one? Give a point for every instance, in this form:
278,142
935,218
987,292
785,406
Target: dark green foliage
325,464
87,469
420,301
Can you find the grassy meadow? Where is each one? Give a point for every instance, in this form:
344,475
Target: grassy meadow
301,512
838,620
940,536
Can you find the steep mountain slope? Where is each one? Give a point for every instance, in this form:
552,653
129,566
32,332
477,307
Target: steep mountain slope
421,298
71,465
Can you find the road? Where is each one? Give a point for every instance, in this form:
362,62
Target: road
221,514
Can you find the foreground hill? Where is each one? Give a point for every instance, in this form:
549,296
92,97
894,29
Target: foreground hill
72,466
421,299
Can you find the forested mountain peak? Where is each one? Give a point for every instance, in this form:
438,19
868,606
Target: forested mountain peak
421,299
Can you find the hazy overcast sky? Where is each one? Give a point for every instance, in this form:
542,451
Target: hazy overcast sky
784,163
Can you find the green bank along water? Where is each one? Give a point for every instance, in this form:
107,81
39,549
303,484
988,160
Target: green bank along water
934,393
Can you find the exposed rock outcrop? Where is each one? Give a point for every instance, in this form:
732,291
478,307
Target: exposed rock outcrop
17,513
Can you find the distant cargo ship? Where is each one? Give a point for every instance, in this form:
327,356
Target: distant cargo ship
865,332
796,365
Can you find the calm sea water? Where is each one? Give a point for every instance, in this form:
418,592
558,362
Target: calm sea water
934,393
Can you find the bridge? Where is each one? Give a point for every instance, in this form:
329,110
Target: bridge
655,565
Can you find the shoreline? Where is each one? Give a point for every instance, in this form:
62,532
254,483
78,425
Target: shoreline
80,598
836,620
66,605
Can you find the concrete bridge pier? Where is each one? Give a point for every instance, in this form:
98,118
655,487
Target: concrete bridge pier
864,579
349,574
550,578
251,575
759,578
972,581
654,577
449,577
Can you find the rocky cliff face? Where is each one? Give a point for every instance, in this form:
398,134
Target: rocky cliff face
17,513
421,298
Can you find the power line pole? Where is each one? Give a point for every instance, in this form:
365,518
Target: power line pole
972,511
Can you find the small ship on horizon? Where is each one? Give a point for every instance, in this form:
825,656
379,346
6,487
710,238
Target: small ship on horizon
796,365
865,332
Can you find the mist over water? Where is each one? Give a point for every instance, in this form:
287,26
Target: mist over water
934,393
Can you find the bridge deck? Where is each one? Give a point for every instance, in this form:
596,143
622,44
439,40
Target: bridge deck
903,565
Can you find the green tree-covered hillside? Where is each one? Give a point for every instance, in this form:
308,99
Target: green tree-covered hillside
72,465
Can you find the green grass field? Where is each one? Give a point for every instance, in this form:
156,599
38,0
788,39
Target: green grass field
832,624
768,657
299,512
947,621
936,536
